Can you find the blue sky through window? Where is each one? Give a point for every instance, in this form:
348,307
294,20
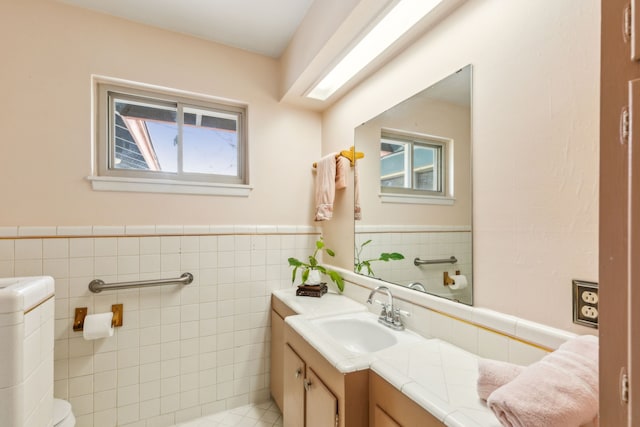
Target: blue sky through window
163,138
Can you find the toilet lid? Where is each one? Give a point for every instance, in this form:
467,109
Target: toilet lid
61,410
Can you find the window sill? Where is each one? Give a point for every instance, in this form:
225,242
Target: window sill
140,185
416,199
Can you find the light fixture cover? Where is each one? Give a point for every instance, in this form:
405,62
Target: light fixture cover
390,28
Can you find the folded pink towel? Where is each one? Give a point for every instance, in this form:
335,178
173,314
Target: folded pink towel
493,374
561,390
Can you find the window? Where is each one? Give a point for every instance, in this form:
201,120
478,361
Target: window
413,164
169,142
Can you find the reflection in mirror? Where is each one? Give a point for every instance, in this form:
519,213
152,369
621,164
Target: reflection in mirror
415,200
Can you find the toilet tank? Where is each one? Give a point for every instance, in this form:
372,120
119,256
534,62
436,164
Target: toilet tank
26,351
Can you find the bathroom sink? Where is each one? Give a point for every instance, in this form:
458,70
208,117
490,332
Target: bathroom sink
360,332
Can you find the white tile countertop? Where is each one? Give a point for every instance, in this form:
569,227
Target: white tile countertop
438,376
330,303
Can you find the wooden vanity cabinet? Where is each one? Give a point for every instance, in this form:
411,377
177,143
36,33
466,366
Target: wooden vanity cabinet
294,382
310,392
316,393
389,407
278,313
307,399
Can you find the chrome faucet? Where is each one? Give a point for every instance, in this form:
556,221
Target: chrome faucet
389,316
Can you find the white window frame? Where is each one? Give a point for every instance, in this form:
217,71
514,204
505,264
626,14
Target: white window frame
106,178
416,196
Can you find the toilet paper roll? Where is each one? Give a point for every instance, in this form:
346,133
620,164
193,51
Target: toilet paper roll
459,281
98,326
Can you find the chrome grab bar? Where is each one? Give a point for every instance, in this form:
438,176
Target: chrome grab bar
419,261
98,285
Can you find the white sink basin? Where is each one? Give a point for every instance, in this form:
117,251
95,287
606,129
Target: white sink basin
361,333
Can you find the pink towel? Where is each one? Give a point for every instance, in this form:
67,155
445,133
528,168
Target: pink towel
493,374
357,213
561,390
325,187
342,172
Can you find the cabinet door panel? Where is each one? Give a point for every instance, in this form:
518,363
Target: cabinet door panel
277,358
382,419
388,400
322,405
294,369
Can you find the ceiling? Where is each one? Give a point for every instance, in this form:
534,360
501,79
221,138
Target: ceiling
261,26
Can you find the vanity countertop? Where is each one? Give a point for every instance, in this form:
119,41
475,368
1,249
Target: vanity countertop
438,376
328,305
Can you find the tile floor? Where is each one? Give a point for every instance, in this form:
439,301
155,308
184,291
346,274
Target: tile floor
264,414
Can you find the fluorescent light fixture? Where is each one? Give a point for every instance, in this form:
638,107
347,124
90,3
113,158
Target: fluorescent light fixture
398,21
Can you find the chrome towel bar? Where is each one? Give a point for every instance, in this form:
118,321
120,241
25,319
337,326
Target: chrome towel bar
98,285
451,260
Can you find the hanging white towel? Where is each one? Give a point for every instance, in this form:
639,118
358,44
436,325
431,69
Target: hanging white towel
325,187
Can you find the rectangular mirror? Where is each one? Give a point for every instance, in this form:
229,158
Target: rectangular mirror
415,192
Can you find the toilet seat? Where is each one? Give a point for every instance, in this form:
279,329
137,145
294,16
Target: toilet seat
62,415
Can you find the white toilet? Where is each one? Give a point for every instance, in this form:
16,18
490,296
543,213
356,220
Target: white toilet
62,414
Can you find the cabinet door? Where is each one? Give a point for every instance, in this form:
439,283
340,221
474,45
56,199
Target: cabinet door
294,369
277,358
322,405
382,419
388,407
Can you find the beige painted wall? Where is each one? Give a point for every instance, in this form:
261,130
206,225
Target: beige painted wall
422,116
534,137
50,51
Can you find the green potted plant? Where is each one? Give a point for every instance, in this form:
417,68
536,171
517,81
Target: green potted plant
359,264
313,268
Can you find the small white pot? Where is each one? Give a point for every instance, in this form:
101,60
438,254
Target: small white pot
314,277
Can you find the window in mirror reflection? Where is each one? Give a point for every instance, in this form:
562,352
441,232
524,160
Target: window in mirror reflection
412,164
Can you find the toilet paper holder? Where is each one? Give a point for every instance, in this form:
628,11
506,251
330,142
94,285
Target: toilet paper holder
81,313
448,280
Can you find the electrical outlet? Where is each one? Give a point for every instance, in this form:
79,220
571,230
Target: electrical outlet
589,297
589,312
585,303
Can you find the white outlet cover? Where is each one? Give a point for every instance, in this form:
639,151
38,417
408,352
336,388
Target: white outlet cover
590,297
589,312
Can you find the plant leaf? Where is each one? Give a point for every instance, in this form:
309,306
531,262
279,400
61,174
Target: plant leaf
337,279
330,252
385,256
319,244
294,262
369,269
312,261
366,243
321,269
305,275
293,276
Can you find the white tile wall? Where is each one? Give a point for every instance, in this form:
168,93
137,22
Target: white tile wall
184,351
481,331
